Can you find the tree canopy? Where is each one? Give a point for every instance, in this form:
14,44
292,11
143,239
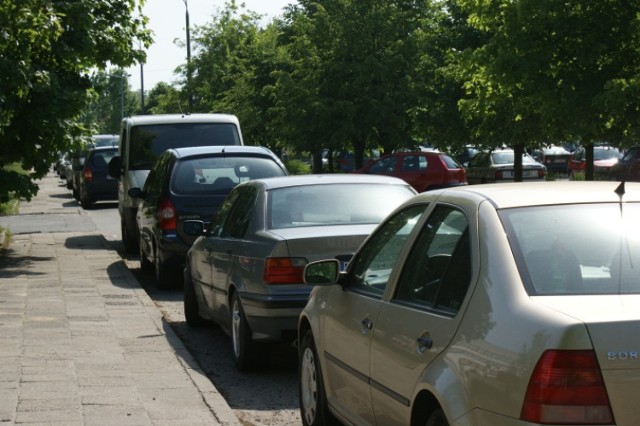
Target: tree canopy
49,51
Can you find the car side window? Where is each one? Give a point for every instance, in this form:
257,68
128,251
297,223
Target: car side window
153,184
412,163
239,214
437,271
374,264
384,165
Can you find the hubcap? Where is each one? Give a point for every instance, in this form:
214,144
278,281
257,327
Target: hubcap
308,386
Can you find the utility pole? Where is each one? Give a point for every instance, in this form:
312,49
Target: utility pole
186,17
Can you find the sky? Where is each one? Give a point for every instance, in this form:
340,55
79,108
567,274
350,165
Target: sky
167,21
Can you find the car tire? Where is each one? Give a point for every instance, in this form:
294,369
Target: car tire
437,418
145,263
130,245
191,315
247,354
163,274
75,193
85,201
314,408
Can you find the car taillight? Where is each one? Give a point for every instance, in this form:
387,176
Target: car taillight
499,174
566,387
541,173
168,221
284,270
87,175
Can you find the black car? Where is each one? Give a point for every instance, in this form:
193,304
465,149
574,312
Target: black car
190,183
95,184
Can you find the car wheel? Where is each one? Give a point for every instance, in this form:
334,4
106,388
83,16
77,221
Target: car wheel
437,418
247,354
129,243
145,264
75,193
191,314
163,274
313,399
85,201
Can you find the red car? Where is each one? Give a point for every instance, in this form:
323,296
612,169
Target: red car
604,157
423,170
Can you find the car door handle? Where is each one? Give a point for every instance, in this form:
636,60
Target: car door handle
367,324
424,342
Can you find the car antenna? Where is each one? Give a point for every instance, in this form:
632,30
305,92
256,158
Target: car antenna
620,190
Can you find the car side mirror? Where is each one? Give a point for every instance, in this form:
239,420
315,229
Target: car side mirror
193,228
115,167
135,192
322,272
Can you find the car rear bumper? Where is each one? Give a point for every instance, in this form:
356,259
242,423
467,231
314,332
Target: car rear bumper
272,317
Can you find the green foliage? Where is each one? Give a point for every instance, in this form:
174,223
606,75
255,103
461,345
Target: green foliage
48,52
297,167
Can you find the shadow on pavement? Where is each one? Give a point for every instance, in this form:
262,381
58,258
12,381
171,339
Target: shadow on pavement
12,266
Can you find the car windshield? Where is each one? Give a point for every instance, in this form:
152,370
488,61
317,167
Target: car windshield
506,157
576,249
606,153
218,175
334,204
149,141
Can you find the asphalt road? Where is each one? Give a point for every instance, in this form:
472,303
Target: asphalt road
262,398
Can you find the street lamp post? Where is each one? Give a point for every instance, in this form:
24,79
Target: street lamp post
186,17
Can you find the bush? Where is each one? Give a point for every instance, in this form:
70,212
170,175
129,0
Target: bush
297,167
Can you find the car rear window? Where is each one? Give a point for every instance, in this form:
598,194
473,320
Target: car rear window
576,249
101,158
450,162
220,174
149,141
334,204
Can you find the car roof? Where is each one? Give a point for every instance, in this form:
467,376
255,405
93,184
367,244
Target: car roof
103,148
520,194
182,118
218,149
324,179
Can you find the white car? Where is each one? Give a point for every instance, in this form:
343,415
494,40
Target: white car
482,305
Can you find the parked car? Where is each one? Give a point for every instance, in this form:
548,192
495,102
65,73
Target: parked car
95,182
628,167
190,183
245,272
74,171
104,140
484,305
554,158
423,170
497,166
345,161
604,157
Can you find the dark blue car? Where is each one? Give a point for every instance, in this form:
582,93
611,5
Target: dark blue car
95,183
190,183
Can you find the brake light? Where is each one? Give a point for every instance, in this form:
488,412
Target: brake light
87,175
284,270
168,221
566,387
498,174
541,173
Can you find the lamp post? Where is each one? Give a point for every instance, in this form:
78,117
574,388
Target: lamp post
186,17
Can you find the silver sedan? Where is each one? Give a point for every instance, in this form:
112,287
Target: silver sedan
245,272
482,305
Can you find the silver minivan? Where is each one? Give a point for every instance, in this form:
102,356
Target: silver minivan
143,138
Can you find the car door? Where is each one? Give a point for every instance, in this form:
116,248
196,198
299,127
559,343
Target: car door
229,243
352,313
206,252
421,317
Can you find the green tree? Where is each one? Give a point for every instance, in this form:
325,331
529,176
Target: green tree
163,99
49,49
355,73
554,70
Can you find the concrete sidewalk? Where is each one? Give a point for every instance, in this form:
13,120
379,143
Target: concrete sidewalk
81,343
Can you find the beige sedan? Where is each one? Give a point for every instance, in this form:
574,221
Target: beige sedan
505,304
